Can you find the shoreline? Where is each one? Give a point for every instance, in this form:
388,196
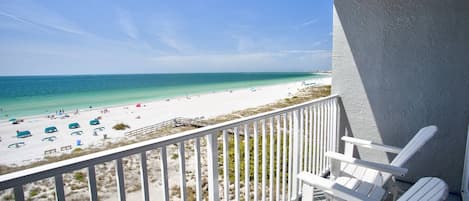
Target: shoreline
4,119
151,112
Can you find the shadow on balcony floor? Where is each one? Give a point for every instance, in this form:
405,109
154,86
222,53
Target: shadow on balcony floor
406,185
319,195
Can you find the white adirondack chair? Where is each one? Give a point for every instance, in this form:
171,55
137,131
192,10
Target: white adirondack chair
465,177
426,189
365,177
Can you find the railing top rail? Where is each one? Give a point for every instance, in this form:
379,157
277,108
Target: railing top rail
49,170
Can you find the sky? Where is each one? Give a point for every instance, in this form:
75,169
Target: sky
119,37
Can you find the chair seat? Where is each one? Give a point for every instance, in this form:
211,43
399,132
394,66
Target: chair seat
372,191
365,174
426,189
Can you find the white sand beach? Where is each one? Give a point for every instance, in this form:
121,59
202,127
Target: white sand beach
206,105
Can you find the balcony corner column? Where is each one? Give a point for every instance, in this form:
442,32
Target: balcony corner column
296,155
212,156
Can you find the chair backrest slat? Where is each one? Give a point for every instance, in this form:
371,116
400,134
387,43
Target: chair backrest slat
414,145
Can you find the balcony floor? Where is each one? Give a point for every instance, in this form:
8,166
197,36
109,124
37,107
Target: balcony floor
406,185
319,196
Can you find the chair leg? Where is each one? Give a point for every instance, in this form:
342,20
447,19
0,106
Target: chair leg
335,169
307,193
394,190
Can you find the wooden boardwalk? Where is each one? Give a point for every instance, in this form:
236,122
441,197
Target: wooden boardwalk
175,122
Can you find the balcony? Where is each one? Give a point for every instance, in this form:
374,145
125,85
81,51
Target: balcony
222,160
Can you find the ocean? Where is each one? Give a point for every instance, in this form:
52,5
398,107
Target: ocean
42,95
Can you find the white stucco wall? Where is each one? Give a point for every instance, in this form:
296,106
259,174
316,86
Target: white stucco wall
400,66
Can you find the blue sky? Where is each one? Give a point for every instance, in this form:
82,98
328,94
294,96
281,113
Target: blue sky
108,37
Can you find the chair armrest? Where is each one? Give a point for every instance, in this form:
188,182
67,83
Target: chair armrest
332,188
394,170
371,145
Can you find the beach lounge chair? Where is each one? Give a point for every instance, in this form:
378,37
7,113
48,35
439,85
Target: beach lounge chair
50,139
76,133
425,189
50,129
98,129
23,134
73,125
366,176
16,145
94,122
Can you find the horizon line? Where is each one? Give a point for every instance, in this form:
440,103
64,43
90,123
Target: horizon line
90,74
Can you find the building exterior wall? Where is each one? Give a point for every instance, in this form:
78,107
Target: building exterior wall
400,66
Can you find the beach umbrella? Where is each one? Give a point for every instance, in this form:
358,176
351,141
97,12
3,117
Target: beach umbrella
13,119
23,134
138,105
50,129
94,122
73,125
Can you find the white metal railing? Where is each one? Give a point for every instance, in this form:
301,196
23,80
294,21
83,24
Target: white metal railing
277,146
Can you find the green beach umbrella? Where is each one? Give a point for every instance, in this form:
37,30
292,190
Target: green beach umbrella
12,119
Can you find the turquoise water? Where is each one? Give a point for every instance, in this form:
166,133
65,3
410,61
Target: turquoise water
37,95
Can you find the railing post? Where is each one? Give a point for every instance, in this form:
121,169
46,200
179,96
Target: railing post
212,156
296,155
59,188
19,193
226,179
164,173
246,164
120,180
335,165
144,176
198,170
92,183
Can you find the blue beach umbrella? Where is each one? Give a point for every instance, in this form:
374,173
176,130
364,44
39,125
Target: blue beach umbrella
23,134
73,125
50,129
94,122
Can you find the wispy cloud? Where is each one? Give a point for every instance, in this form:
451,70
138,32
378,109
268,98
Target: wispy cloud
300,51
217,62
170,33
45,25
256,61
244,44
174,43
16,18
309,22
126,23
